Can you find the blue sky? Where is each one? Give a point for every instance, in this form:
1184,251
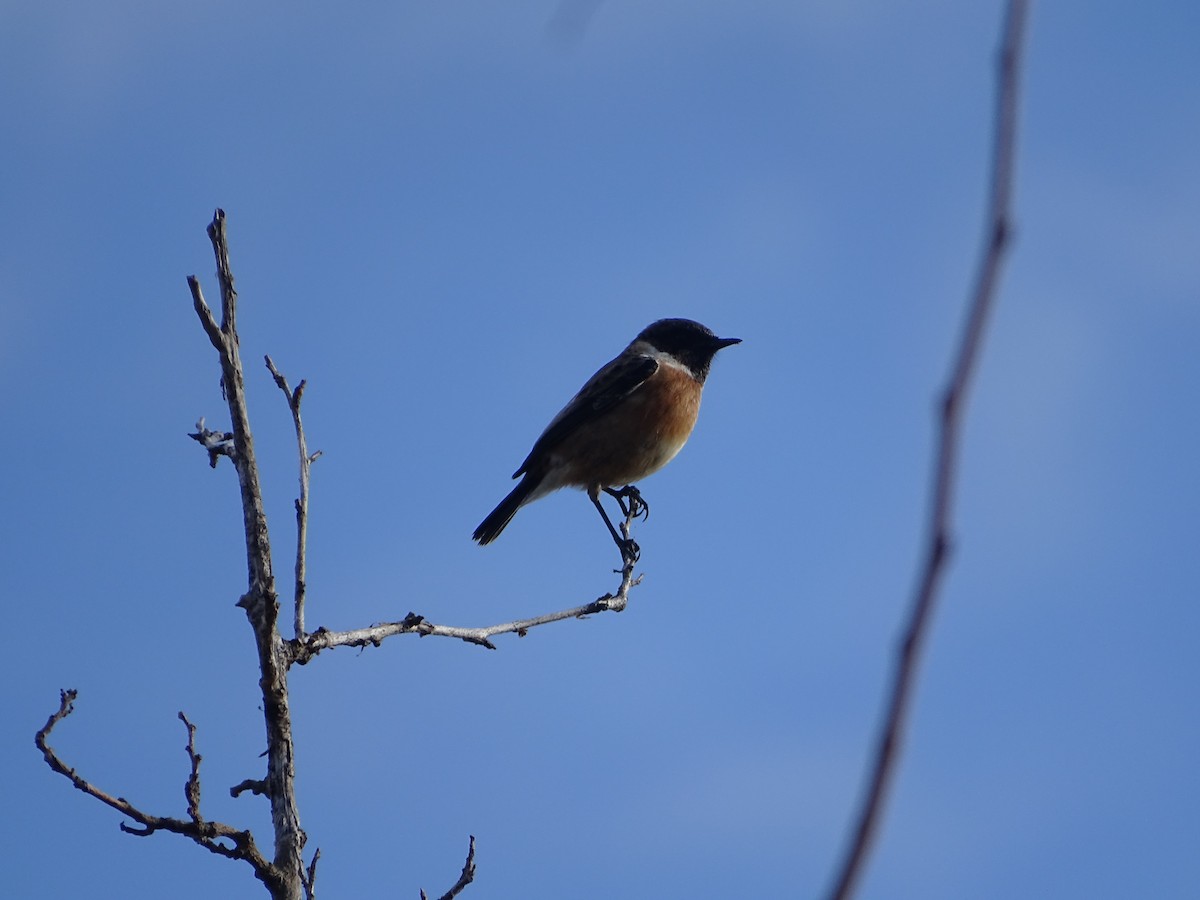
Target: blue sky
445,217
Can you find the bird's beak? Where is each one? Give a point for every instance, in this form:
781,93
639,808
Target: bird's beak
721,343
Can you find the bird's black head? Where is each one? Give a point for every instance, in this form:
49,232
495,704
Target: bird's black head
689,342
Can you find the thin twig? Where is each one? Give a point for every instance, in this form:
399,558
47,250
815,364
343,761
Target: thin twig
306,461
996,243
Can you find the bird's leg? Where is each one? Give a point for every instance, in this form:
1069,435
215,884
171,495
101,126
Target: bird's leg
637,506
630,551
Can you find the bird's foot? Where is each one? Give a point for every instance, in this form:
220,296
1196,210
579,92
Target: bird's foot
636,507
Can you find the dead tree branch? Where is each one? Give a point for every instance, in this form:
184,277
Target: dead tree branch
938,541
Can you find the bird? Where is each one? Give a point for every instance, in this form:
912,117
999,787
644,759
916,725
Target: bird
628,421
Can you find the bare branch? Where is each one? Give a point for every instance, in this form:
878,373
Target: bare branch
467,876
996,243
306,461
209,835
324,639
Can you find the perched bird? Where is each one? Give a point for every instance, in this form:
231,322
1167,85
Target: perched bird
627,422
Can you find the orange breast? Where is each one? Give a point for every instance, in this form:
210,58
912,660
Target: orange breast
634,439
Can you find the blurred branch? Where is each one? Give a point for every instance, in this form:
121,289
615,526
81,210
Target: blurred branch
207,834
996,242
306,461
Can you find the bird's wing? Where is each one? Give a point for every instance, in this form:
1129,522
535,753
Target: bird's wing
604,390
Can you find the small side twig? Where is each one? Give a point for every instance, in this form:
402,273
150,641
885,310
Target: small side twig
467,876
306,460
996,242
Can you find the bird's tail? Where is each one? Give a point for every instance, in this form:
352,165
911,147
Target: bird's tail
489,529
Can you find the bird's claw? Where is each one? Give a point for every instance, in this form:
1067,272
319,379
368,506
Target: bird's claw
637,507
